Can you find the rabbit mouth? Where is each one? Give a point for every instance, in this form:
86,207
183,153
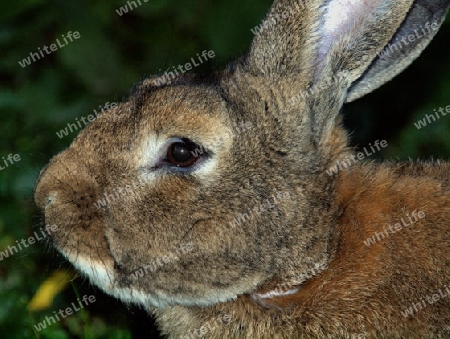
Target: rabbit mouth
101,274
104,275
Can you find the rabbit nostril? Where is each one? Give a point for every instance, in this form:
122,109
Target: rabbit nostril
50,199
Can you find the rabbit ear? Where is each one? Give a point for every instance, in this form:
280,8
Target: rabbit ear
316,39
418,29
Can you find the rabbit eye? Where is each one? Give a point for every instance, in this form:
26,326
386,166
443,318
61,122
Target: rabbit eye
183,153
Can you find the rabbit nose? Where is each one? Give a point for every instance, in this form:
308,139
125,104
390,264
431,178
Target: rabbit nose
46,190
67,197
62,188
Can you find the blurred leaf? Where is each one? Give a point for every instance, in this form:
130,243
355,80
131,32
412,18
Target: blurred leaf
48,290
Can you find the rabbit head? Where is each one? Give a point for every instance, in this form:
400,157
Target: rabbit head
205,188
202,229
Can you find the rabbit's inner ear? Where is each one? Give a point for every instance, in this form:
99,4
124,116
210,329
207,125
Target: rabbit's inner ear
343,17
357,30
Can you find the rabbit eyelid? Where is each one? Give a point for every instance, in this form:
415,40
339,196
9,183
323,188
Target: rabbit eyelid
153,156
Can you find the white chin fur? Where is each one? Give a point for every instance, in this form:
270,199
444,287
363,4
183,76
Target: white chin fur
102,275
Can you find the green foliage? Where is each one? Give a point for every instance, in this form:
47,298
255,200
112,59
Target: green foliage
112,54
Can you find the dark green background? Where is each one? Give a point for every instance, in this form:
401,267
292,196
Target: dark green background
112,54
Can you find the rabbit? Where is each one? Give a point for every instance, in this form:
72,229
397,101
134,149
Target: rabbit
227,233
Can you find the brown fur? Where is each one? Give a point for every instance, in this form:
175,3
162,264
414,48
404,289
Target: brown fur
227,285
365,289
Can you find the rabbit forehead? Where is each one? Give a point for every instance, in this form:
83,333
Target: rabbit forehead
183,109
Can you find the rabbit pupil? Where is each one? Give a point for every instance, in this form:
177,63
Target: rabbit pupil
182,153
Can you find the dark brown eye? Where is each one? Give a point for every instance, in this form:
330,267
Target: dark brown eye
183,153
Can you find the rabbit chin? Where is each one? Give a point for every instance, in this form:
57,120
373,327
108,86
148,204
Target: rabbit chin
102,274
